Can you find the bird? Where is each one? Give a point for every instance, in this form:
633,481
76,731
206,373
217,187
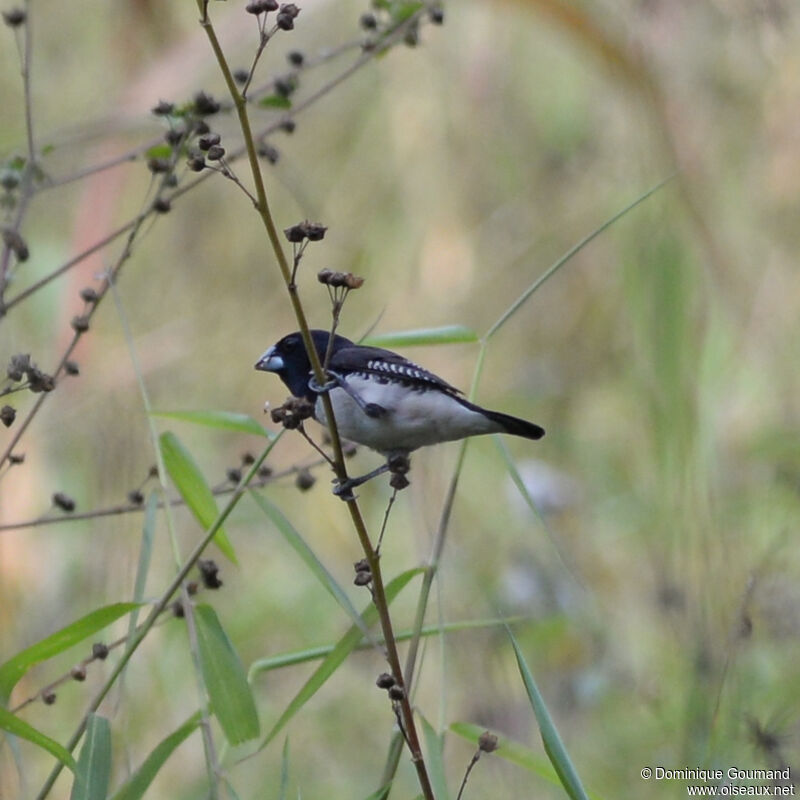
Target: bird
382,400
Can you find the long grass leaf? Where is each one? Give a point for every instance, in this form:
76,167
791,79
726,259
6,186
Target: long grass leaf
222,420
93,774
336,657
301,547
192,486
135,787
446,334
13,669
553,745
13,724
434,746
225,679
548,273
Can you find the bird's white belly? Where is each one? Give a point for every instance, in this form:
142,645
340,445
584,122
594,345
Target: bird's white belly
412,419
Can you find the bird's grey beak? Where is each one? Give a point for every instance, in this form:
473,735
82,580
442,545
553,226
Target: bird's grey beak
270,362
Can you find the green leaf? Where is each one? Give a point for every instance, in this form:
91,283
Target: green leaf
446,334
284,787
316,653
293,537
553,745
138,783
378,793
192,486
513,752
435,759
94,763
550,271
275,101
13,724
145,555
159,151
223,420
225,679
56,643
336,657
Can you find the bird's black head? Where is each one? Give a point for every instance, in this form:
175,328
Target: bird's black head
289,360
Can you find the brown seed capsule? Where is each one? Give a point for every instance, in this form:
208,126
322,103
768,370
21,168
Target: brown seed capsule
487,742
18,366
248,459
396,693
158,165
80,324
205,105
89,295
304,480
265,472
163,108
192,588
233,474
16,458
208,141
161,205
295,58
78,672
215,152
48,697
209,573
135,497
269,152
72,368
177,609
64,502
398,481
385,681
99,651
14,241
353,281
362,578
7,415
361,566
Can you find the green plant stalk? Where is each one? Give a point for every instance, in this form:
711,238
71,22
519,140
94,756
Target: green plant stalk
379,595
160,605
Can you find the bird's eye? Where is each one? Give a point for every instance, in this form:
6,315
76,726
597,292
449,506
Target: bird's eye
290,345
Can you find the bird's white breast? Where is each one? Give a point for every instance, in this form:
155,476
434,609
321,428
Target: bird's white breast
414,417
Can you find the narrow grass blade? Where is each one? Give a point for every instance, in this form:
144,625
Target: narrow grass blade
553,745
192,486
145,555
94,763
447,334
225,679
434,759
293,537
138,783
378,793
284,787
56,643
513,752
222,420
13,724
336,657
316,653
548,273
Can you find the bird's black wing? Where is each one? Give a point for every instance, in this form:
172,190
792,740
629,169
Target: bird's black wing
384,364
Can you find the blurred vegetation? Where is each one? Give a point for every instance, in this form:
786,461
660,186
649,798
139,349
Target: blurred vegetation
660,580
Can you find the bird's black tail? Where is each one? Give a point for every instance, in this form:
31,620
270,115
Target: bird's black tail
512,425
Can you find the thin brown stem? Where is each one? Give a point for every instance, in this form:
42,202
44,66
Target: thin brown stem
379,594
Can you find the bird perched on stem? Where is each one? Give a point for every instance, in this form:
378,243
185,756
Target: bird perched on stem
382,400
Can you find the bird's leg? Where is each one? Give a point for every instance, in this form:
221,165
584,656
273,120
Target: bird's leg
370,409
397,463
344,489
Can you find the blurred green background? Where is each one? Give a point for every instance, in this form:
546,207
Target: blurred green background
662,589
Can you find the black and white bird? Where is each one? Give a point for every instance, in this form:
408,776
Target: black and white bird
382,400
